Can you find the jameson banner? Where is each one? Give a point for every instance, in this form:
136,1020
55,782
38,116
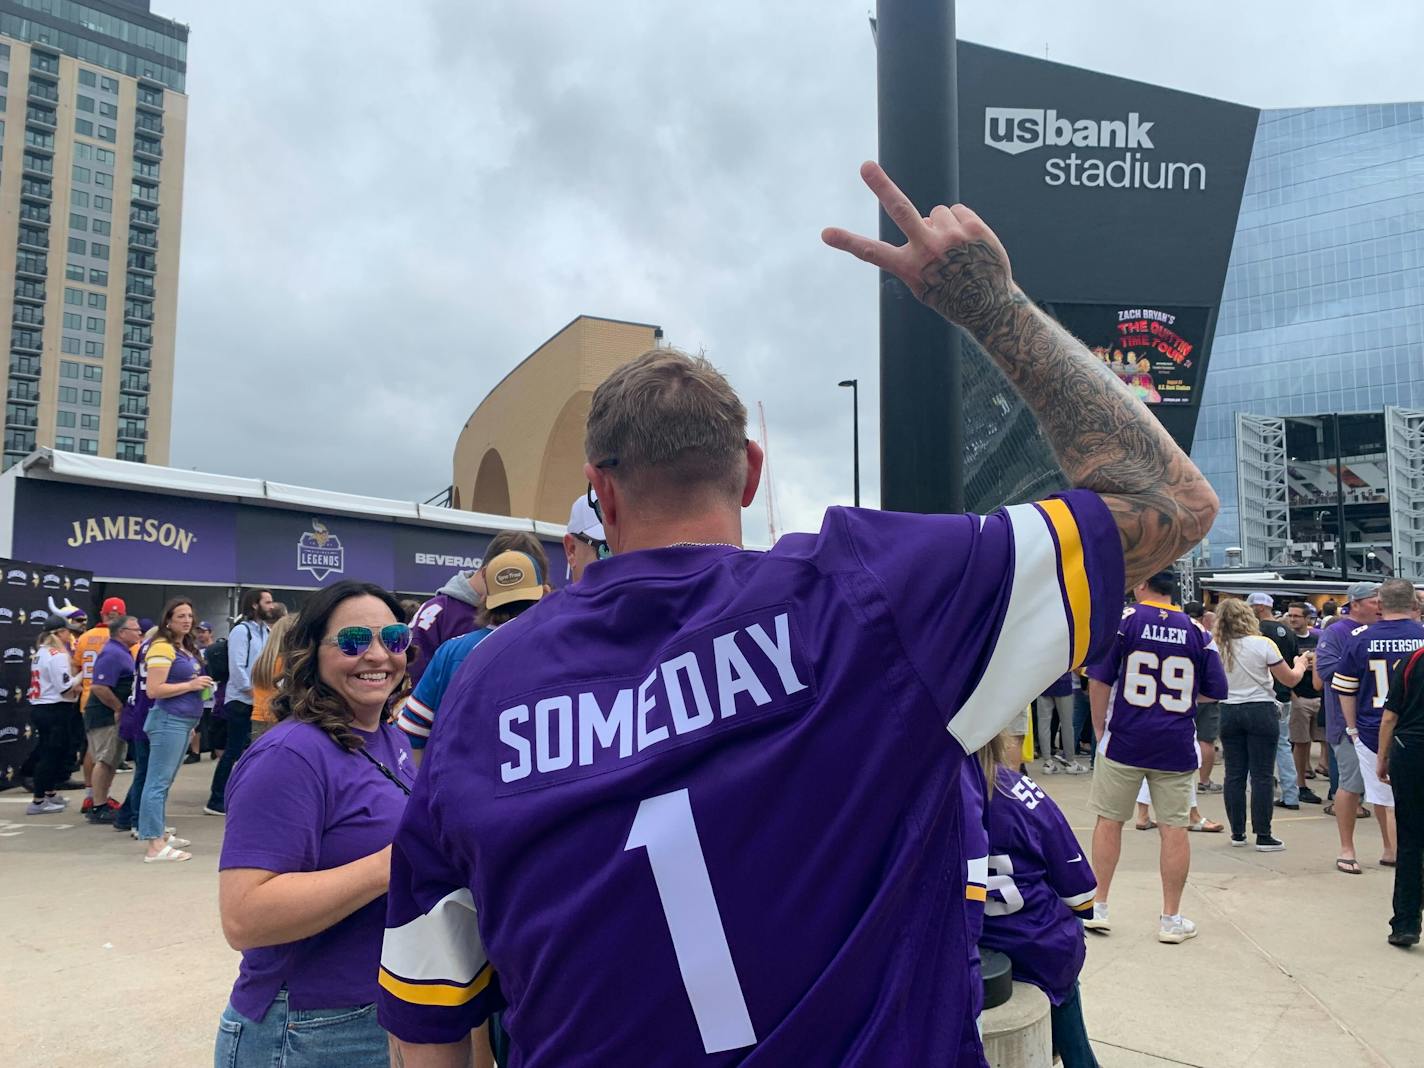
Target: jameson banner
29,594
155,537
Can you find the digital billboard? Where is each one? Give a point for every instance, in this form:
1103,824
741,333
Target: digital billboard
1155,350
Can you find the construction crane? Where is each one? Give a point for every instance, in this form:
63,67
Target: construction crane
766,476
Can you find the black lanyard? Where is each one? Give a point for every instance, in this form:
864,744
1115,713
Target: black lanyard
385,771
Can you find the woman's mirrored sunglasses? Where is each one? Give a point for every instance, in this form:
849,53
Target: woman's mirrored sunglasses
353,641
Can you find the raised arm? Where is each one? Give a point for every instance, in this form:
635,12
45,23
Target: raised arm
1105,439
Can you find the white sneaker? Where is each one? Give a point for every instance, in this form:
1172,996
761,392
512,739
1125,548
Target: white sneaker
43,808
1050,768
1098,921
1074,768
1174,932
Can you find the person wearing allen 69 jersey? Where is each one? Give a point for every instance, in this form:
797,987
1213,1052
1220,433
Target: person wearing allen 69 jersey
1144,695
701,807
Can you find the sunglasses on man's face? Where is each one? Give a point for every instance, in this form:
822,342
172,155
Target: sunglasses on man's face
353,641
600,547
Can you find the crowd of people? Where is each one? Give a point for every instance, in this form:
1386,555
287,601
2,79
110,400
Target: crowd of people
705,805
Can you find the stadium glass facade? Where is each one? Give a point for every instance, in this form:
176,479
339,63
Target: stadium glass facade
1323,310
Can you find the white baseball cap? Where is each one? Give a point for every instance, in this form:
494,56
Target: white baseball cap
1261,598
583,520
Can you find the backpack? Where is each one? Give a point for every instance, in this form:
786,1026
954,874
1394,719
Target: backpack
215,659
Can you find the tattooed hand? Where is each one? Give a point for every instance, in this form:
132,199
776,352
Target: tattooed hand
1105,439
952,261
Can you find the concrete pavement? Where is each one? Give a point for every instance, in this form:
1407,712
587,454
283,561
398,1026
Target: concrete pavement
121,964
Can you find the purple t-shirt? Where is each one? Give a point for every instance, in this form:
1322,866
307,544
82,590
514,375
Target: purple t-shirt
974,848
137,706
114,668
704,806
183,666
1038,879
1327,660
1157,666
1370,656
298,802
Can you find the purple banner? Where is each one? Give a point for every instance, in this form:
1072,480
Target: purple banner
290,549
125,534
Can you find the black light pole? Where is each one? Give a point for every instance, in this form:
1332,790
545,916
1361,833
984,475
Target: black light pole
1340,498
921,425
854,384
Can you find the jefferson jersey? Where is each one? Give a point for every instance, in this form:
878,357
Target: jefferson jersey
1370,657
1158,665
1038,879
703,807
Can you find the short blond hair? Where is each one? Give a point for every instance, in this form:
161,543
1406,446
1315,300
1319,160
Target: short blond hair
669,420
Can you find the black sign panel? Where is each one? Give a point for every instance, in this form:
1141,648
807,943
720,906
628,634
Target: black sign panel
1110,196
29,594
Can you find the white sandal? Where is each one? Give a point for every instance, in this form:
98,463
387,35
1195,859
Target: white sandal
167,855
176,842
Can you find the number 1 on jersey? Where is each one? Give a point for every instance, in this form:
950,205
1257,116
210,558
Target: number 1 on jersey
665,828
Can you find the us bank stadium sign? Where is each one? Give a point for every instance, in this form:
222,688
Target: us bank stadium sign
1019,130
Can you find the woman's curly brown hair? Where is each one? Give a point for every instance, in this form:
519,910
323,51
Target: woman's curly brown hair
302,695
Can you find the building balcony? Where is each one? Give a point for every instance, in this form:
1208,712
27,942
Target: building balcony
34,214
35,240
26,341
148,100
148,149
148,124
135,361
138,313
24,367
23,393
28,315
133,409
132,386
137,336
145,217
33,190
43,118
29,291
32,267
37,165
26,420
143,239
133,289
132,434
41,147
143,263
146,196
42,91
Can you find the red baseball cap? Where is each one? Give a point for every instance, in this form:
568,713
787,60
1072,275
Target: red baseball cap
112,605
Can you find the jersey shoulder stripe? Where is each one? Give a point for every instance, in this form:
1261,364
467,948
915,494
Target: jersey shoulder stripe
437,958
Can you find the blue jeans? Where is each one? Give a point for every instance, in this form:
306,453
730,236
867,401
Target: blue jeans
1070,1033
167,745
301,1038
127,815
1285,758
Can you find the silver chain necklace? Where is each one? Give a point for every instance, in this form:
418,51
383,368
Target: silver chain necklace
703,544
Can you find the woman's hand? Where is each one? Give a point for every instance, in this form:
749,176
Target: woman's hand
201,682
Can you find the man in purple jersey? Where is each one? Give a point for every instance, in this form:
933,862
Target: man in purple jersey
1363,605
1370,656
1144,695
703,806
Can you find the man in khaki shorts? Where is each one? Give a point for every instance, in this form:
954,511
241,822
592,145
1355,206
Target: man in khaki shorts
112,682
1144,698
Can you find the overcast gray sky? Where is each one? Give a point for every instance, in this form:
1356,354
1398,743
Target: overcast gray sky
389,204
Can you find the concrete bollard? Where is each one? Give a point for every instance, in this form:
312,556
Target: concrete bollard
1019,1033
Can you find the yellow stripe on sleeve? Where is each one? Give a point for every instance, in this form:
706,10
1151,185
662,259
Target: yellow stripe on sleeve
445,994
975,893
1075,576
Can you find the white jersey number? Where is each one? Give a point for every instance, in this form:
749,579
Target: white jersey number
1381,669
1167,684
1001,879
665,828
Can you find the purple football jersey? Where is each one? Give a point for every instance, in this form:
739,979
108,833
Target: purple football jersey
1370,657
704,806
448,614
1158,665
1038,880
137,706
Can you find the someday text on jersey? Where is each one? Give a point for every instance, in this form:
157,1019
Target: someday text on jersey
740,669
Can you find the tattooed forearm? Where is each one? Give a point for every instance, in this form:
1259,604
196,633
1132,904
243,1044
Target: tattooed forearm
1104,438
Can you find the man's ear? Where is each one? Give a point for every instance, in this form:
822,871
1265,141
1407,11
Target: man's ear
606,492
755,461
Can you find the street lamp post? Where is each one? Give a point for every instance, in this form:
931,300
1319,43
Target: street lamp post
854,384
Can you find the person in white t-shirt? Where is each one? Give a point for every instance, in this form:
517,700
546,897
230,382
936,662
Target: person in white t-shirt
1249,722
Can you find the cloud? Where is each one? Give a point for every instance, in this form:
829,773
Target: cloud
387,206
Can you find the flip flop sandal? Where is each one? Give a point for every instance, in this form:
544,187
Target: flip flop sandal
176,842
1149,825
168,855
1310,774
1346,866
1387,863
1324,773
1206,826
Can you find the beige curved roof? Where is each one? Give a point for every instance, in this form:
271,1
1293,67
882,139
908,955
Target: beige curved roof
521,452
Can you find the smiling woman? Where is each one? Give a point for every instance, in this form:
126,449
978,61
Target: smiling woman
311,811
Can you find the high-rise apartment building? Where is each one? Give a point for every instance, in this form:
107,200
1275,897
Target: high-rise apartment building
93,122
